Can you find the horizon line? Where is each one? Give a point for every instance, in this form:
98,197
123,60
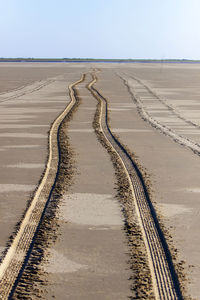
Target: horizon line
89,58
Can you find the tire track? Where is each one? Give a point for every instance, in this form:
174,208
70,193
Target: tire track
165,282
146,116
27,89
16,254
162,100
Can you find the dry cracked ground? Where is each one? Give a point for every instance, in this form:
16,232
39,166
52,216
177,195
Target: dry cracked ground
90,243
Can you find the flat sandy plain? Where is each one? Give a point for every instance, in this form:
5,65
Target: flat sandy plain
154,109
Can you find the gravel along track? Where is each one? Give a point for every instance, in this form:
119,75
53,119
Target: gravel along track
165,282
13,262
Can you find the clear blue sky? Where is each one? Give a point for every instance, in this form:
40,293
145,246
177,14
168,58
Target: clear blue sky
100,28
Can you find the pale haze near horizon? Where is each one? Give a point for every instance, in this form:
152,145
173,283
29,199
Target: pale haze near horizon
149,29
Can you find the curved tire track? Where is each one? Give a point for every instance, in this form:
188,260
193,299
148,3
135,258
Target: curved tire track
165,282
16,254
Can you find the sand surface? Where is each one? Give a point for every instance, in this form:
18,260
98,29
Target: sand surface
32,95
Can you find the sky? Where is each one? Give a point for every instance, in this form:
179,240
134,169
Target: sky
149,29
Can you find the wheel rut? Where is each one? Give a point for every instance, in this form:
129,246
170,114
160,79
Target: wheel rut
24,90
144,110
165,281
17,254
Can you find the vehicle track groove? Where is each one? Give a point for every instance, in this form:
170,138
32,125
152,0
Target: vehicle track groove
146,116
165,281
27,89
15,257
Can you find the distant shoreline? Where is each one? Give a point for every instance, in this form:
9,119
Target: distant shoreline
91,60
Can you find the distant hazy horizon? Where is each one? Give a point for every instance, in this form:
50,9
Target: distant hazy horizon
100,29
98,58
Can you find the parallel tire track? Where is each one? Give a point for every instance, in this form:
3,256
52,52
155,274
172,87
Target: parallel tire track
162,100
27,89
165,282
14,259
146,116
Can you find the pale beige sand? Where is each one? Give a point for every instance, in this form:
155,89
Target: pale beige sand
91,209
124,130
118,109
11,126
171,210
81,130
193,190
9,120
26,166
13,118
23,135
4,188
21,146
59,263
25,111
29,73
